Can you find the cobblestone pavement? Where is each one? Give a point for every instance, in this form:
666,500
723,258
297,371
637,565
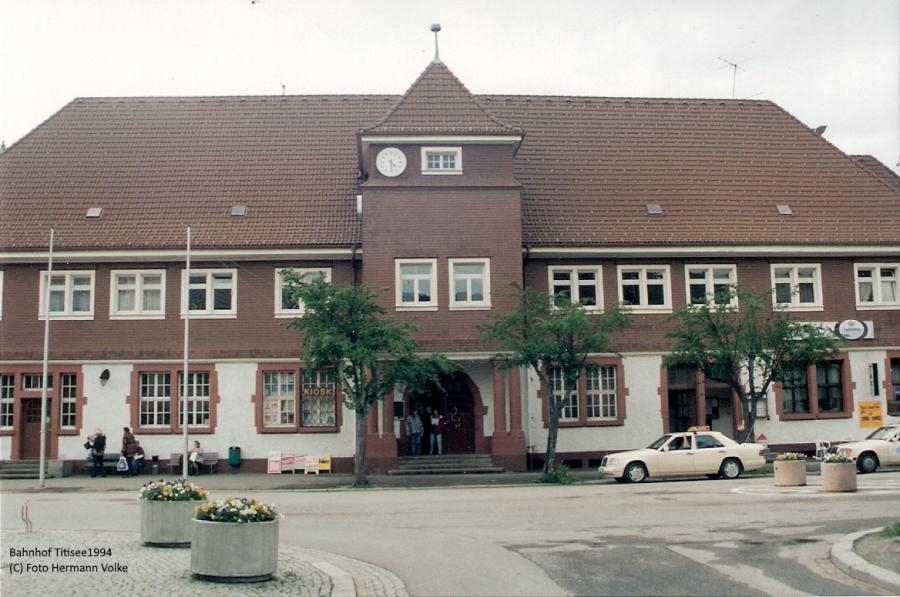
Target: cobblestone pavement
130,568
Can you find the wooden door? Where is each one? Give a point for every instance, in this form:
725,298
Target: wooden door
31,428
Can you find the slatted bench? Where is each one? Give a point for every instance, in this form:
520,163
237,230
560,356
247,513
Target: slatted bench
210,460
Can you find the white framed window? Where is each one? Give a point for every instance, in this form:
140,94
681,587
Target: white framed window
197,398
579,284
319,400
645,288
68,399
71,295
279,399
709,282
569,410
877,285
284,305
470,283
211,292
600,392
31,382
137,294
797,287
7,393
416,284
442,160
155,408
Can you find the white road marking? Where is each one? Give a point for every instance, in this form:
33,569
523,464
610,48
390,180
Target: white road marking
748,575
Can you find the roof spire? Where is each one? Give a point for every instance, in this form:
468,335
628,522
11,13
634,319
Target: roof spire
437,56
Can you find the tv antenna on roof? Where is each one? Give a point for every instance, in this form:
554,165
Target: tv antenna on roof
437,57
735,68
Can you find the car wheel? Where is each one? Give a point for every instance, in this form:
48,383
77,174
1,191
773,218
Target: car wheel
730,469
635,472
867,463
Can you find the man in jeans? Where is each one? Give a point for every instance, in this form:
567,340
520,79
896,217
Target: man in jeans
97,445
414,431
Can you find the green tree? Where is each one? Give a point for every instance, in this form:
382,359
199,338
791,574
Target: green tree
542,335
748,347
346,331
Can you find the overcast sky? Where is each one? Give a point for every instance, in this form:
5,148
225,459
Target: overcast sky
827,62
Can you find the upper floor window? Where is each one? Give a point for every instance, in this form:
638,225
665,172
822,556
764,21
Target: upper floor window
470,283
137,294
645,288
416,283
441,160
711,283
71,295
876,285
212,293
285,304
578,284
797,287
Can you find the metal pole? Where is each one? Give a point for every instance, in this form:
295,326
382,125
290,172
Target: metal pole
184,385
43,460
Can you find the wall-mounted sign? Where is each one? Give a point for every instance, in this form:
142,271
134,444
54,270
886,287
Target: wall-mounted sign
851,329
869,414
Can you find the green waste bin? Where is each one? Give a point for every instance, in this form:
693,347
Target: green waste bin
234,456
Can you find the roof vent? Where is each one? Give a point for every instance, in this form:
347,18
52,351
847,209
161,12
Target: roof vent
238,211
784,209
94,213
654,209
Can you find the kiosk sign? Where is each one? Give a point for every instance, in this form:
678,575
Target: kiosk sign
870,415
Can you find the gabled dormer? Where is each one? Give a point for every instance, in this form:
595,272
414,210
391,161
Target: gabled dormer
438,134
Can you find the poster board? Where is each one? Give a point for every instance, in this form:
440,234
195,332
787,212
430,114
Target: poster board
274,463
869,414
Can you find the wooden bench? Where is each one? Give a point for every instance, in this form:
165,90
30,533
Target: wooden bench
210,460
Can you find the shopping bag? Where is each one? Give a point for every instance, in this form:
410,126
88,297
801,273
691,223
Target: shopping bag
122,466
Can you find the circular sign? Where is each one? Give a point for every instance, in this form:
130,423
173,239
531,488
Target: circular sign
851,329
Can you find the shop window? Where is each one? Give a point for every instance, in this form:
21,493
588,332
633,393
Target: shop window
598,399
819,391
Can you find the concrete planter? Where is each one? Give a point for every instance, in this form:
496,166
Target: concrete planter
790,473
839,476
167,524
234,551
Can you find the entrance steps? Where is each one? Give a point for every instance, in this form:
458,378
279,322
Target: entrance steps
446,464
23,469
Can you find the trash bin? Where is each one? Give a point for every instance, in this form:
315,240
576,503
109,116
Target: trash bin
234,456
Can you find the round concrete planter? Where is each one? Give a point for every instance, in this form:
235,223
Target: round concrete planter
234,551
839,476
789,473
167,524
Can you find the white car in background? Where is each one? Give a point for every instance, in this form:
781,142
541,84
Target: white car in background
697,451
881,448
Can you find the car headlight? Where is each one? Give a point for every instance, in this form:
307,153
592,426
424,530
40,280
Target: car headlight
611,461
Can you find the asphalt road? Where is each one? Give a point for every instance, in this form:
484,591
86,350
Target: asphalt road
696,537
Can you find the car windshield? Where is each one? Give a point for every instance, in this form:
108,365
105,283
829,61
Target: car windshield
882,433
658,443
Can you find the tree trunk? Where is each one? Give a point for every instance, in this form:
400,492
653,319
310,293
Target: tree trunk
552,432
359,459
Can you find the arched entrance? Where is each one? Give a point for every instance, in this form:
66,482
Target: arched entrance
458,401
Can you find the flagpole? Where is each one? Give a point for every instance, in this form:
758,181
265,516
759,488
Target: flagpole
43,459
184,385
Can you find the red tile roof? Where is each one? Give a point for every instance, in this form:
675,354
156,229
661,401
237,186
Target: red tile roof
874,165
588,167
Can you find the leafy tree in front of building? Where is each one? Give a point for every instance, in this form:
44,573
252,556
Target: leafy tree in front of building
345,330
543,334
740,339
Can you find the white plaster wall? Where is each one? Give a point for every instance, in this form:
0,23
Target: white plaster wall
481,373
5,447
785,432
104,407
643,422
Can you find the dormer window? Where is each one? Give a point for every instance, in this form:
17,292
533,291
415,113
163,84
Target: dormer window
442,160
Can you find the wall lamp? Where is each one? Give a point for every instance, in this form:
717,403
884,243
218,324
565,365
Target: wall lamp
104,377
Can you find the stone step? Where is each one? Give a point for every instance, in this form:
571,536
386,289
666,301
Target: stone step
21,469
445,464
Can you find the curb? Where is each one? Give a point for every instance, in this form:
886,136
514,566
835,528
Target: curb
843,556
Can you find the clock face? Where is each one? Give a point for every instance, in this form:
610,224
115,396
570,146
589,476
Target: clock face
391,161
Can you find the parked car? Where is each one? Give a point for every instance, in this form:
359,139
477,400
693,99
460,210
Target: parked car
697,451
881,448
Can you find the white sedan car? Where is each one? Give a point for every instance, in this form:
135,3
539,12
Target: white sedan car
699,452
881,448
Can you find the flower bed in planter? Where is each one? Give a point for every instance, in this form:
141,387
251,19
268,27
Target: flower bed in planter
838,473
167,508
790,470
234,540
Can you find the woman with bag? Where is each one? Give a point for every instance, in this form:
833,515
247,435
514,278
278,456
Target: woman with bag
129,447
97,445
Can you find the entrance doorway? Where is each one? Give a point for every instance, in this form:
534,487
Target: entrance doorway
31,428
718,409
455,403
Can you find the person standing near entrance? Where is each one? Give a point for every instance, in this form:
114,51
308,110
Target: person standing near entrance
97,445
129,447
414,431
437,432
